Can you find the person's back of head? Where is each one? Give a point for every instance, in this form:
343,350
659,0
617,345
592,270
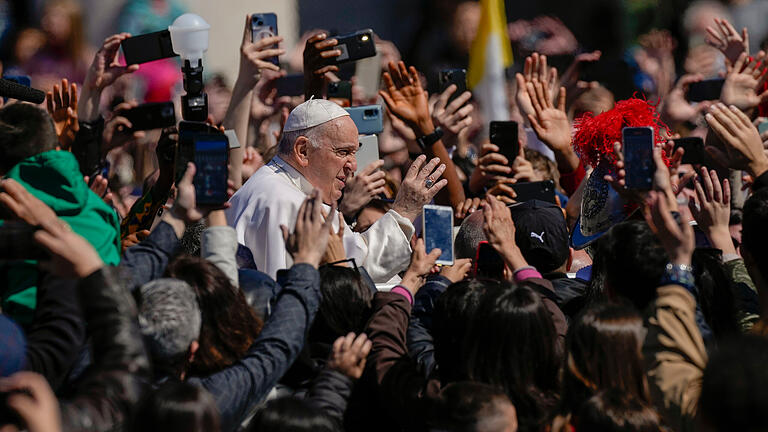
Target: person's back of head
614,411
754,234
511,343
469,236
604,351
629,262
345,305
25,130
454,308
735,386
290,414
169,318
177,407
473,407
229,325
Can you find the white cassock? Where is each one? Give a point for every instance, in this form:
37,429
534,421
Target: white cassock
272,197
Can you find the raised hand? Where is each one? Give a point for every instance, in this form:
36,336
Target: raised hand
308,241
500,231
134,239
104,70
534,69
422,182
657,59
550,122
712,209
318,50
458,271
570,80
421,266
469,206
743,146
406,99
491,167
743,82
560,39
675,108
361,188
349,354
677,238
452,117
253,55
62,106
117,129
725,38
335,251
264,102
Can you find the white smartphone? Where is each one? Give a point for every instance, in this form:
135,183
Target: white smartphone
368,151
438,231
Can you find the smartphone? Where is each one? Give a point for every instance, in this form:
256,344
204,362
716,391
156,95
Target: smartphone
367,118
148,47
211,157
438,231
368,75
24,80
153,115
637,145
264,26
694,151
453,76
185,150
17,242
763,125
488,263
539,190
368,152
705,90
504,135
290,85
341,90
354,46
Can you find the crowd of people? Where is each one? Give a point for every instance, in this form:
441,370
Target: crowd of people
308,301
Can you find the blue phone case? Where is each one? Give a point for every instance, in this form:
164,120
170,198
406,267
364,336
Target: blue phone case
367,118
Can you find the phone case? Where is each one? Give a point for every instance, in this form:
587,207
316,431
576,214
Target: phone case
705,90
290,85
153,115
354,46
368,119
148,47
437,228
453,76
488,263
504,134
540,190
340,90
264,26
368,152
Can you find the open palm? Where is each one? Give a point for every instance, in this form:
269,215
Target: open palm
404,95
549,122
742,83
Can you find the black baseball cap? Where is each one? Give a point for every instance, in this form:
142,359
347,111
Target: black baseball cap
541,234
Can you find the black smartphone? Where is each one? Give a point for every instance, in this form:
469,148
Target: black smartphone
341,90
17,242
211,158
24,80
290,85
438,231
264,26
152,115
705,90
488,263
539,190
694,151
148,47
504,135
354,46
185,151
453,76
637,145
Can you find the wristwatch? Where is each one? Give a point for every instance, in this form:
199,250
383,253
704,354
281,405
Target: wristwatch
428,140
680,274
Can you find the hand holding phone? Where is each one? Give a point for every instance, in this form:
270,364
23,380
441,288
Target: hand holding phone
637,146
438,231
694,154
457,77
211,158
153,115
503,134
265,26
354,46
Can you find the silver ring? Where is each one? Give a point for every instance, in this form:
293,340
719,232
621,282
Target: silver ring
429,183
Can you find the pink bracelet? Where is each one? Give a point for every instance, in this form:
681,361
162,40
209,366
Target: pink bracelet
404,292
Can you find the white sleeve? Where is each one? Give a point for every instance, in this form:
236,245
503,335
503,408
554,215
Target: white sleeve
219,246
389,247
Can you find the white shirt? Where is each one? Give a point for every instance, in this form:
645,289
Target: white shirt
272,197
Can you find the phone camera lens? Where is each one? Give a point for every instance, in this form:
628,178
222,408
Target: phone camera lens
369,113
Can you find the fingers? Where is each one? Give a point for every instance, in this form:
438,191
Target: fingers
372,167
285,232
415,168
340,232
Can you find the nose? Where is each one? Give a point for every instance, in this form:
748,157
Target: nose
351,164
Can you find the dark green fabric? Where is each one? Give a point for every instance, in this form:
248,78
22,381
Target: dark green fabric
54,178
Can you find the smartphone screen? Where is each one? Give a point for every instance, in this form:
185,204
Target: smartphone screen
705,90
438,231
488,262
264,26
368,152
185,150
637,144
148,47
453,76
211,156
504,135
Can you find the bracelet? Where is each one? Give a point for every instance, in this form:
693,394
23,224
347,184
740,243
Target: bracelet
680,274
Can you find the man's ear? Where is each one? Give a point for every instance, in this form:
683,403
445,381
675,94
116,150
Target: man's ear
570,260
301,151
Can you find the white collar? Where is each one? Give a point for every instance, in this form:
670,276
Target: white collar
294,176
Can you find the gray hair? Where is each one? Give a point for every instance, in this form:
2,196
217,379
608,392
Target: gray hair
169,318
469,236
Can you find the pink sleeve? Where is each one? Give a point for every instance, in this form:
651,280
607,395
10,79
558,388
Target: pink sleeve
526,273
404,292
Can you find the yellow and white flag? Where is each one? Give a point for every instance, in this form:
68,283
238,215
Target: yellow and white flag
490,55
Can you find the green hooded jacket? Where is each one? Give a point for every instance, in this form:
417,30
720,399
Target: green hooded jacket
54,178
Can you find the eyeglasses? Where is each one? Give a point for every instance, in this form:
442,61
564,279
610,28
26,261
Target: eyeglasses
348,260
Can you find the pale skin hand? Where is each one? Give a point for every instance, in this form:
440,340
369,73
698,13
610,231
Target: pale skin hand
413,193
349,354
743,146
360,189
500,231
452,117
62,106
420,267
39,408
743,82
458,271
725,38
535,69
712,210
71,255
335,251
105,70
675,108
677,239
550,122
25,206
309,239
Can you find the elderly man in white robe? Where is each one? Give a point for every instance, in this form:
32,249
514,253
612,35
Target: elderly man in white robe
317,151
